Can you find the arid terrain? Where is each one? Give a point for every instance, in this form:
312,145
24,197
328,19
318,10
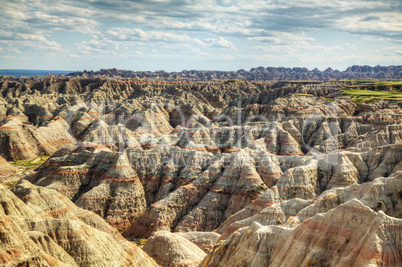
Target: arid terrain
103,171
355,72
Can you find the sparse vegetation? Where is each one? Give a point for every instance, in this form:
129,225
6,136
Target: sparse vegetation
332,200
380,204
369,96
256,189
232,81
377,85
23,168
140,243
31,164
11,184
289,219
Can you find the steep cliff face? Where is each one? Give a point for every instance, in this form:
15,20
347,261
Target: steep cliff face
24,141
100,180
219,169
173,250
40,227
6,168
284,118
349,235
167,188
271,209
204,240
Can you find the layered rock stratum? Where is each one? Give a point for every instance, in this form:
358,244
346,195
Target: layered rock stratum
169,249
217,173
41,227
349,235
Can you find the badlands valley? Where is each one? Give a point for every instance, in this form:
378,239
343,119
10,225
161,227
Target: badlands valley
101,171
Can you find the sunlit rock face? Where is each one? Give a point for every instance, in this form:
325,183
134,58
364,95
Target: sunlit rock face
41,227
351,234
169,249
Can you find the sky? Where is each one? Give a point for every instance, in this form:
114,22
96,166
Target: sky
175,35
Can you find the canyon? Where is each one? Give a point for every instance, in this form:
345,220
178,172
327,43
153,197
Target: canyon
200,173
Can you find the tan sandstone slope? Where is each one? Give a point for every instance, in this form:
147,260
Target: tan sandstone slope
6,168
172,250
40,227
349,235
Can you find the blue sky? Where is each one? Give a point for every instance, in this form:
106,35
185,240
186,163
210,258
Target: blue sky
173,35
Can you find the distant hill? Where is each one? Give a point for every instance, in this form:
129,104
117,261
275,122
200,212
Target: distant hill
29,73
261,73
355,72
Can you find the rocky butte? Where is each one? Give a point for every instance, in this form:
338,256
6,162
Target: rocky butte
132,172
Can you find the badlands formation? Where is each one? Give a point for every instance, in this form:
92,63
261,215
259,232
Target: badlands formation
217,173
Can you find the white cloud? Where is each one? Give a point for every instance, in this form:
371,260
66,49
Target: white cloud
15,43
220,17
173,28
130,39
266,39
138,35
39,39
220,42
387,24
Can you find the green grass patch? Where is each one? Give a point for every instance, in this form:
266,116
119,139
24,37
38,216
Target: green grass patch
140,243
369,96
31,164
382,83
232,81
11,184
377,85
328,99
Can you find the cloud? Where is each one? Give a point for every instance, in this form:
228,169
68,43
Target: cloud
38,38
396,49
138,35
44,22
25,27
223,18
282,38
17,42
389,25
133,28
33,17
220,42
134,39
237,18
371,18
316,15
